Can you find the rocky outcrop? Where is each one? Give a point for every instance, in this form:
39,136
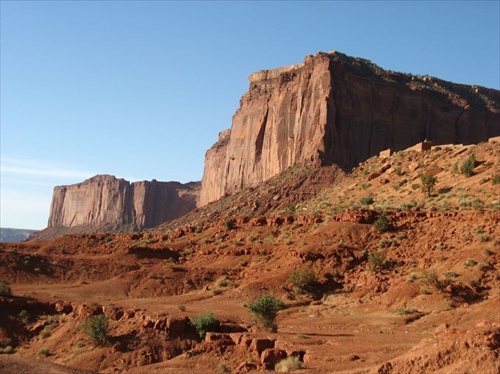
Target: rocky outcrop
335,109
105,199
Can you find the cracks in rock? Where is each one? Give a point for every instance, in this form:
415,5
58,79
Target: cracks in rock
259,142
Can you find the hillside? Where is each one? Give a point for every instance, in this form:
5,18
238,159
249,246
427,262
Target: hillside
414,292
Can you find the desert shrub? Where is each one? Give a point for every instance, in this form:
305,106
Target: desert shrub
483,237
289,364
376,261
428,183
382,223
468,166
47,330
224,281
384,243
411,278
44,352
223,368
431,278
290,209
303,279
96,328
7,350
204,323
265,311
25,316
230,225
474,283
107,239
496,180
484,266
470,262
5,289
198,230
366,200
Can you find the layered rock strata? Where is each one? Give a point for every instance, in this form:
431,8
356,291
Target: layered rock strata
335,109
105,199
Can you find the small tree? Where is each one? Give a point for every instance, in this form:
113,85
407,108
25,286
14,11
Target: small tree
382,223
204,323
366,200
265,311
376,261
468,166
230,225
97,328
428,183
303,279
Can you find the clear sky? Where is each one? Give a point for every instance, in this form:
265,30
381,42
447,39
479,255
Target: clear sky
141,89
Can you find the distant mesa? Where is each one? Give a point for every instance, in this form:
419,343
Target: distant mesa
336,109
107,200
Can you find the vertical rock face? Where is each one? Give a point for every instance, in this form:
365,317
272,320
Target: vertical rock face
335,109
105,199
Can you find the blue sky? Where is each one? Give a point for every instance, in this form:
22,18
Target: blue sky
140,89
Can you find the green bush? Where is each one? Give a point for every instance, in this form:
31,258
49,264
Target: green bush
230,225
44,352
431,278
25,316
97,328
265,311
289,364
204,323
428,183
468,166
366,200
382,223
7,350
290,209
376,261
303,279
5,289
496,180
223,368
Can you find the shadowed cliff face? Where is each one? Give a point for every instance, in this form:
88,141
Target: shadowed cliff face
334,109
105,199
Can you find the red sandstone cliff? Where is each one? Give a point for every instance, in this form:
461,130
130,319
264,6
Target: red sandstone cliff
105,199
335,109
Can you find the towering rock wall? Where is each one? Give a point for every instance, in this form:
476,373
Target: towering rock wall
105,199
335,109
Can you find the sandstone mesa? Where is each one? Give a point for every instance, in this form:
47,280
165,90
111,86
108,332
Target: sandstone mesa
330,110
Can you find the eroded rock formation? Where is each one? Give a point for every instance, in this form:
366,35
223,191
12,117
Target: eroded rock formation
105,199
335,109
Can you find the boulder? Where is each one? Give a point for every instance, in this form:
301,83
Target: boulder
261,344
